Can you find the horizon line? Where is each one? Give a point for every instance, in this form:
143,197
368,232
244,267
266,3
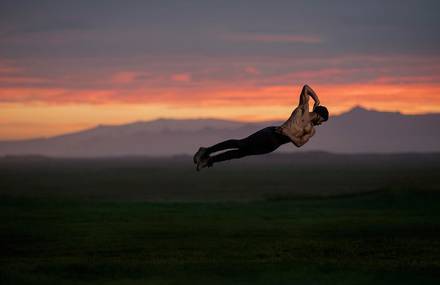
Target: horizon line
355,107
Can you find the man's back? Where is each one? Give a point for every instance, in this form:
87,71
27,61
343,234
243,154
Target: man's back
297,126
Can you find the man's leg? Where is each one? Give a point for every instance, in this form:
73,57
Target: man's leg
204,152
227,144
263,141
230,154
260,142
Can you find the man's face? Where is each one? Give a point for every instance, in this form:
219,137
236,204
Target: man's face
318,120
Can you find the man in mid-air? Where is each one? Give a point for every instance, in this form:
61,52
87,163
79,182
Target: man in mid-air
298,129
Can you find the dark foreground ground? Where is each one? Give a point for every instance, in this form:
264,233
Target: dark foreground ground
354,220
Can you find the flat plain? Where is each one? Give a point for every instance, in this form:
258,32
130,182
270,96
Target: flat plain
306,218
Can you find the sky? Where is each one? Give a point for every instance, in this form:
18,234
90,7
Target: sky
71,65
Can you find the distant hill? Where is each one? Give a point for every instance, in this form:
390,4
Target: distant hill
356,131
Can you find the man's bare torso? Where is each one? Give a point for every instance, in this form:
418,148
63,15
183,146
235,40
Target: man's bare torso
298,127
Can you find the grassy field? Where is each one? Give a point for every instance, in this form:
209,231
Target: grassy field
357,220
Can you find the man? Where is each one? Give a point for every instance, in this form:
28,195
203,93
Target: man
298,129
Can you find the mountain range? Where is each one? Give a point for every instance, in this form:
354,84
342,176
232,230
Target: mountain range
357,131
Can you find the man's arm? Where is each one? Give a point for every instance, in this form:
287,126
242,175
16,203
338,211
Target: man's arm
304,98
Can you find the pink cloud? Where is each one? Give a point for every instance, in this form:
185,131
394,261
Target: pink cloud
342,81
21,80
409,79
124,77
7,68
181,77
274,38
251,70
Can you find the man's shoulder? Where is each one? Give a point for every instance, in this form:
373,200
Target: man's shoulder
297,112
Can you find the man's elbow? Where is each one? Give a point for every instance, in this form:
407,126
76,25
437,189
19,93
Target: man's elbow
301,142
306,87
297,144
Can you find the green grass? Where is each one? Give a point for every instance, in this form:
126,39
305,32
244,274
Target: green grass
304,219
384,237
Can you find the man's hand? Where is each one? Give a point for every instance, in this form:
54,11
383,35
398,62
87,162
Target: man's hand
316,104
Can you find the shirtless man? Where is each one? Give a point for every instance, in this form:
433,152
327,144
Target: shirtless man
298,129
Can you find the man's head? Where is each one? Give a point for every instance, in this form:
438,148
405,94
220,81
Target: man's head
322,115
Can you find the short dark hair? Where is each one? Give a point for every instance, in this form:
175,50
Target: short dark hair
322,111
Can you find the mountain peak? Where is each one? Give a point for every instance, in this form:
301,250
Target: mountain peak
358,109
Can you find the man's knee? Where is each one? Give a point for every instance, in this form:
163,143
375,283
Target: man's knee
244,144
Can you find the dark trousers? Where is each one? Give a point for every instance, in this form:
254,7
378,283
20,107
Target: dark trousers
263,141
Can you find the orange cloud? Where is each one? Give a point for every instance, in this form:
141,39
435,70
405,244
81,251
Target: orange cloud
27,94
372,94
214,88
42,111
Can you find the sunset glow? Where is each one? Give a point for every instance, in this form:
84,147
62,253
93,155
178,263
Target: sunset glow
68,74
